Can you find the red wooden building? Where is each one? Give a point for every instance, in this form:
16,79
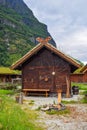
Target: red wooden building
45,68
80,76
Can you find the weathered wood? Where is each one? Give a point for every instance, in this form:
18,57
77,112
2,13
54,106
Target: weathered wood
68,87
59,91
45,70
36,90
79,78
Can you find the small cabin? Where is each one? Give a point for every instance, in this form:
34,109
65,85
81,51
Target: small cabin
8,75
80,75
45,68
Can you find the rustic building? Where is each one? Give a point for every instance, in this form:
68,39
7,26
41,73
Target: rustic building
46,69
80,75
7,75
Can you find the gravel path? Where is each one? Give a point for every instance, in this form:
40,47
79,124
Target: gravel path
77,120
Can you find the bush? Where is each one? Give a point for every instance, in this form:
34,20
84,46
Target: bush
7,86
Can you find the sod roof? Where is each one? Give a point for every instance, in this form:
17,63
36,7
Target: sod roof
7,70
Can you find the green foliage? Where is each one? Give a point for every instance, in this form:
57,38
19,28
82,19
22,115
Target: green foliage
31,102
82,86
69,102
84,100
61,112
6,70
17,33
83,92
12,117
6,92
7,86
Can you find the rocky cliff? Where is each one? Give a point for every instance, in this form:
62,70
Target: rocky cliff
18,30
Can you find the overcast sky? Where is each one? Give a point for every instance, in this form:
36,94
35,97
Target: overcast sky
67,24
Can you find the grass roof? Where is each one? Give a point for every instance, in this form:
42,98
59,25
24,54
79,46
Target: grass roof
78,71
7,70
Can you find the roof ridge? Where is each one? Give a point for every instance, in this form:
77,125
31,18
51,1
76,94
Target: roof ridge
48,46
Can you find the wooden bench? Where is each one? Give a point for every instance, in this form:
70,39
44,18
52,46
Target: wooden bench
36,90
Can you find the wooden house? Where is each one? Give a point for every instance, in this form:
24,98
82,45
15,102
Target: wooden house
46,69
80,75
7,75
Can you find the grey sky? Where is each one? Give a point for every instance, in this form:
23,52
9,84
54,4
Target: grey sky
67,23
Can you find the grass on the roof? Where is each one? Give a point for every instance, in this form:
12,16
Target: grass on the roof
7,70
78,70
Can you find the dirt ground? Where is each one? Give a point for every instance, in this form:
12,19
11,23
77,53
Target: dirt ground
76,120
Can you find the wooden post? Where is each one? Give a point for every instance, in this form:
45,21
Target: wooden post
68,87
46,94
4,79
21,98
59,98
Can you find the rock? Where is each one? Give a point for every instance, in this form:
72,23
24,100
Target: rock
54,126
45,109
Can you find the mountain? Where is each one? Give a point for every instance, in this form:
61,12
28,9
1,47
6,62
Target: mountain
19,29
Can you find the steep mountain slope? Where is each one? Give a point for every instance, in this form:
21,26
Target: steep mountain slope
18,30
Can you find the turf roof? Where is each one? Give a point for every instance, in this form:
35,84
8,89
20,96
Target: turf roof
7,70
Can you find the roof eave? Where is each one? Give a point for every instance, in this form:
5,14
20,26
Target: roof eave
19,63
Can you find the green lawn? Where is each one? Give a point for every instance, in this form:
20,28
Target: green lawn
6,92
82,86
12,117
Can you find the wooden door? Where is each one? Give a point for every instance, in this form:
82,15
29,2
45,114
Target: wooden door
45,78
31,79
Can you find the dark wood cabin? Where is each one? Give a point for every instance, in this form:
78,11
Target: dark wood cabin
80,76
46,68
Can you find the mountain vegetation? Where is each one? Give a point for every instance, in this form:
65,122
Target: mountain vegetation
18,31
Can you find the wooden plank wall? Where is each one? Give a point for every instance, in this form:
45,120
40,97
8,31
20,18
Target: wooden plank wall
37,71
